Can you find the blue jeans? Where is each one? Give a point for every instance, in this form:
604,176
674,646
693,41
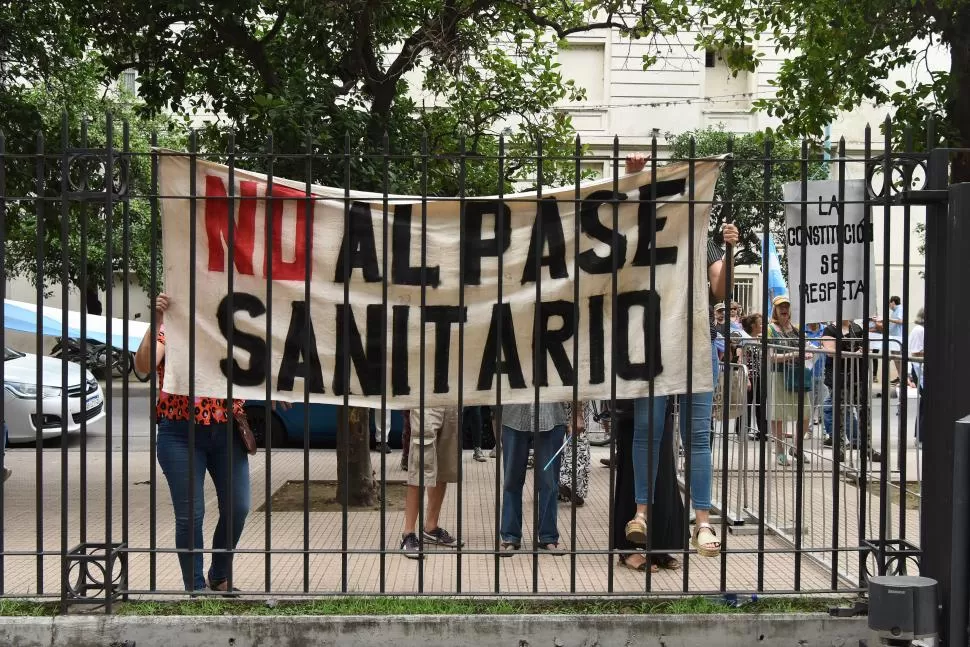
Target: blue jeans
211,452
850,423
647,453
515,453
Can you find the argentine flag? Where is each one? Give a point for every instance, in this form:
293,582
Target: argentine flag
770,264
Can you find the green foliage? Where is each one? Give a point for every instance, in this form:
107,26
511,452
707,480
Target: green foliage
346,74
748,201
72,111
838,55
389,606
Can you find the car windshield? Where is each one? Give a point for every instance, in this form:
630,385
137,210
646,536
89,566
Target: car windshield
9,354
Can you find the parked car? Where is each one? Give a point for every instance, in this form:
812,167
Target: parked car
83,393
287,427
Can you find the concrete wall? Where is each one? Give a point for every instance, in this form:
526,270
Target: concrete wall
420,631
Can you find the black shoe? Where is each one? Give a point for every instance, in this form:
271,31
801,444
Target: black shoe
564,494
442,537
222,586
876,457
479,455
605,462
411,546
383,448
7,472
827,441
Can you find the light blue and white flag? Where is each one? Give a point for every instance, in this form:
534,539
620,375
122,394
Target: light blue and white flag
770,264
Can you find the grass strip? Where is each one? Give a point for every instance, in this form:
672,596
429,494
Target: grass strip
403,606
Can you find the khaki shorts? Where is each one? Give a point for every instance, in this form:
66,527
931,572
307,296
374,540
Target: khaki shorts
440,446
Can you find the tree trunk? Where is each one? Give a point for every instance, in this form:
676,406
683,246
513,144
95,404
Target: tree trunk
353,458
380,113
92,301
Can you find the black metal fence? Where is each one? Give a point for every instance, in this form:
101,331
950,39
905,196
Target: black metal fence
86,516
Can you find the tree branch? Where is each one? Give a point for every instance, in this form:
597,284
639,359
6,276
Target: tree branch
237,37
275,29
561,30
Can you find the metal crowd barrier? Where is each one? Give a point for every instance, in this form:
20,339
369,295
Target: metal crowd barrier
785,477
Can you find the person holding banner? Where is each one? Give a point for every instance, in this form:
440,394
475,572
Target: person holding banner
215,451
649,419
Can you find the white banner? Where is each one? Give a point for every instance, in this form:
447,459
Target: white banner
820,240
266,310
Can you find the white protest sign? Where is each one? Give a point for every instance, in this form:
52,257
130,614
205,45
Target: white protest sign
819,240
475,333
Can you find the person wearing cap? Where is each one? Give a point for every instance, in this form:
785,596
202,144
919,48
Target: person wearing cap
783,405
648,419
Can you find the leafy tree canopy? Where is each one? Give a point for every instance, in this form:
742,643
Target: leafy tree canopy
839,55
347,69
750,201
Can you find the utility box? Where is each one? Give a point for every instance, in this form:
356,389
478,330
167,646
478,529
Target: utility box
903,607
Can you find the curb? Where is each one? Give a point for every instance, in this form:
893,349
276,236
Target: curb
804,630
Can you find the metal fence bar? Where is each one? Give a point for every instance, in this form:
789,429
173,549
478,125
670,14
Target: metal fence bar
41,192
230,341
153,385
3,407
65,235
109,204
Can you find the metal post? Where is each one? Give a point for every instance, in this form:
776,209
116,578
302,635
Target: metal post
947,355
955,622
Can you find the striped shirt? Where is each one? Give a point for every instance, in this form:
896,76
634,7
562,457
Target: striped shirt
714,254
521,417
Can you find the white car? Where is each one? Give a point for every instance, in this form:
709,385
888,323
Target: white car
84,397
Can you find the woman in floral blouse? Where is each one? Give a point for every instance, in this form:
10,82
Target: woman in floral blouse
212,454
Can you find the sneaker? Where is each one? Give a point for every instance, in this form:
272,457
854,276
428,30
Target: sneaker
783,460
411,546
383,448
531,462
491,453
827,441
441,537
605,462
6,473
479,455
876,457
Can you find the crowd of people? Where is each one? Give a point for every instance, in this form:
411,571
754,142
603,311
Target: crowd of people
550,438
803,391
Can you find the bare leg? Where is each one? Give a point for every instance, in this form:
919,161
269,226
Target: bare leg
436,495
412,504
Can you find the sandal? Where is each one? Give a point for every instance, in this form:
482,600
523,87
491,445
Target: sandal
552,548
636,529
667,562
704,537
641,567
